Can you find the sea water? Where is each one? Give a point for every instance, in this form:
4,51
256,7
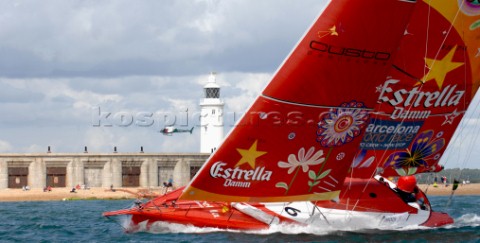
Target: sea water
82,221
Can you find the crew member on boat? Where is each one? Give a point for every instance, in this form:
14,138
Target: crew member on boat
409,192
406,186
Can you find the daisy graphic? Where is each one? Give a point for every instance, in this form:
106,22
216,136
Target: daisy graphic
341,125
303,160
407,162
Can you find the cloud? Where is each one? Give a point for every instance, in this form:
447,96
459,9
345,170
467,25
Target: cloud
63,112
5,146
61,60
118,38
244,88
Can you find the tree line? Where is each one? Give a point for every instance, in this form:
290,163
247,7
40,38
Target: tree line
472,175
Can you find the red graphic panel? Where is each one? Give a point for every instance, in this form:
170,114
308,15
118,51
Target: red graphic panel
424,96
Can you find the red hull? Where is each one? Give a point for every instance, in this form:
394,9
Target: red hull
365,196
438,219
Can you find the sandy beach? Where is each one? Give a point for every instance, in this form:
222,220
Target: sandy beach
58,194
441,190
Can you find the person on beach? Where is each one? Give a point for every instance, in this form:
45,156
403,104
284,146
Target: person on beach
169,184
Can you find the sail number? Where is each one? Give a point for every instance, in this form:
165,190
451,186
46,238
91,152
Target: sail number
292,211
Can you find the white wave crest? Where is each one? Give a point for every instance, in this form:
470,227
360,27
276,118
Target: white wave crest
469,219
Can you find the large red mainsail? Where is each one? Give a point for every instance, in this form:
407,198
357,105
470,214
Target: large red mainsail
375,88
298,139
426,92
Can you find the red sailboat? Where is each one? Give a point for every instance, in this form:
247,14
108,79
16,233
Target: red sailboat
375,89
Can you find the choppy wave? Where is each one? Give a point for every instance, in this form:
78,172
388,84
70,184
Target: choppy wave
470,219
77,221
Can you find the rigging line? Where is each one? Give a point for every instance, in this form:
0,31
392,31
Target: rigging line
313,105
454,188
426,48
462,124
401,122
350,186
470,150
462,127
378,162
426,39
471,145
115,221
443,41
321,213
155,205
406,73
422,82
428,183
425,74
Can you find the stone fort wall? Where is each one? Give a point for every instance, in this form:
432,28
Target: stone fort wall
148,170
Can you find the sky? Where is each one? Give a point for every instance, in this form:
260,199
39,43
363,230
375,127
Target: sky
64,65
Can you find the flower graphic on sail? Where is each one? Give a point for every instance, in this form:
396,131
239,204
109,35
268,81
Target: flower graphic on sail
303,161
342,125
407,162
359,160
336,127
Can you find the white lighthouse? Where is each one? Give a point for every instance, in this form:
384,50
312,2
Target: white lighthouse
211,134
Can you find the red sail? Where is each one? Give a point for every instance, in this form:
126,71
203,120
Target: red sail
298,139
425,95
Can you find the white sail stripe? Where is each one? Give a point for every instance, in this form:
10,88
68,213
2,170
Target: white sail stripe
380,113
312,105
330,184
325,189
333,179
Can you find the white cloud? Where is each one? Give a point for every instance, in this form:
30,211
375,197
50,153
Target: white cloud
5,146
118,38
62,58
35,148
66,111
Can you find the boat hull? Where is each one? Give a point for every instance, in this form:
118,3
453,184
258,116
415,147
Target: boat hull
363,204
